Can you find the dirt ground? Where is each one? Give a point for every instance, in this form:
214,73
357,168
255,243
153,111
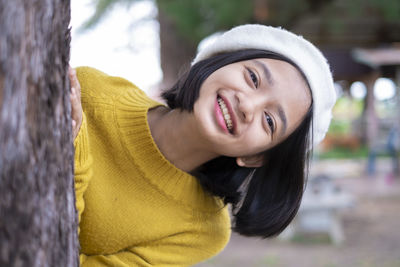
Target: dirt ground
371,228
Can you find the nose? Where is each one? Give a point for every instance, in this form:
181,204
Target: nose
251,103
246,106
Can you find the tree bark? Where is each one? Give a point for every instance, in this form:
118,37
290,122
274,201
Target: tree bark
38,222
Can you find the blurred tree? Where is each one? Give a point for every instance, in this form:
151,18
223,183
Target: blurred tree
183,23
38,225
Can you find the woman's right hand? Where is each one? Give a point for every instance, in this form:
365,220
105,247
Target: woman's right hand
76,106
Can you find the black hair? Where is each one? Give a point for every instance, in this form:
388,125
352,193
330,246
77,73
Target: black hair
265,199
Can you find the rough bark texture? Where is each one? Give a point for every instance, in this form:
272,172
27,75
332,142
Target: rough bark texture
37,212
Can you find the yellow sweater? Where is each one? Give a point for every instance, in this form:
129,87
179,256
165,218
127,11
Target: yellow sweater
135,207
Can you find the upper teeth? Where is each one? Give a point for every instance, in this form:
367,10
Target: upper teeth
225,113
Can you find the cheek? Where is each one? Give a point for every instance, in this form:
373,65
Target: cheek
253,142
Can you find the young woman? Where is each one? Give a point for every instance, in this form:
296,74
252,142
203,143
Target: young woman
153,181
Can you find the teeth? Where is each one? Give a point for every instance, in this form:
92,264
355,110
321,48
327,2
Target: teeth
225,113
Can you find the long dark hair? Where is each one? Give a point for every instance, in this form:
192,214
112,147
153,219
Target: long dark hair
265,199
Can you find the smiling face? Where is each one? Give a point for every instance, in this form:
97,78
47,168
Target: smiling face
247,107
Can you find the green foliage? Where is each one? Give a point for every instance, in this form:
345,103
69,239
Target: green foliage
336,16
339,127
194,19
284,13
389,10
345,112
197,19
343,153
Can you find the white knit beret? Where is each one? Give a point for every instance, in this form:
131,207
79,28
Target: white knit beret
307,57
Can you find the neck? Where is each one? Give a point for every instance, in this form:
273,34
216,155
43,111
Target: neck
177,139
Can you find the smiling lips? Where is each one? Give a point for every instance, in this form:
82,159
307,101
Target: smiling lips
226,121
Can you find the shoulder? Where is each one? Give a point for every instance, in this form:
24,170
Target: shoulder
96,83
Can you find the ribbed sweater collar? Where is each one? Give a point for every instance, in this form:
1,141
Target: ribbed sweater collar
131,112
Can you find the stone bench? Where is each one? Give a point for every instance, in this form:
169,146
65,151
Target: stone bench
320,210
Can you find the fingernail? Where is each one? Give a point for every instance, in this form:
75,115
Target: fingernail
73,123
73,90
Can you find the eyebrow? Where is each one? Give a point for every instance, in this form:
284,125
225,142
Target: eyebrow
266,72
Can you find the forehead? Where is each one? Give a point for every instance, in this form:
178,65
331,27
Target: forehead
280,69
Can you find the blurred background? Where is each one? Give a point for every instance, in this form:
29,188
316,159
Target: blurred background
350,215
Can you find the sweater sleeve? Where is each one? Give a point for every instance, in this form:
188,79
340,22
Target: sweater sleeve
172,254
182,249
120,259
82,163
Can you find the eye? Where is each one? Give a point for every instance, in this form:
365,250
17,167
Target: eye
253,77
270,122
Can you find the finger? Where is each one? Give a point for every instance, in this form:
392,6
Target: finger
72,76
75,83
71,71
75,105
74,129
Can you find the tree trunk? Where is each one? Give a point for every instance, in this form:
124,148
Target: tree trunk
38,220
176,52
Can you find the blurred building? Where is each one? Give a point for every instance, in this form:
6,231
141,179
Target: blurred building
361,41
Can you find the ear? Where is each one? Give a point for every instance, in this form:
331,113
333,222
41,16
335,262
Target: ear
254,161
